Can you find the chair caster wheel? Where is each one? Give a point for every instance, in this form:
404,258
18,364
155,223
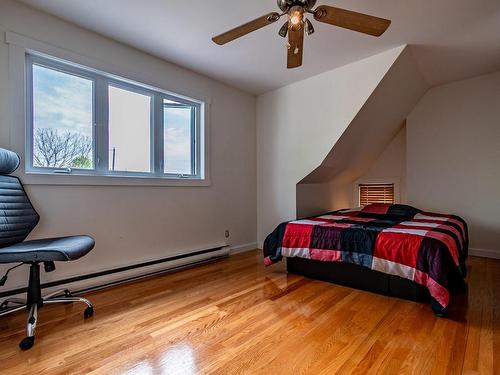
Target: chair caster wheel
88,313
27,343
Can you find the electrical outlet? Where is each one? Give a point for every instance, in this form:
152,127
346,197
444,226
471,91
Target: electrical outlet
226,233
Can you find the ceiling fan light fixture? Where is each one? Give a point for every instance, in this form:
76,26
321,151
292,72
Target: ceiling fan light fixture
296,16
284,30
309,27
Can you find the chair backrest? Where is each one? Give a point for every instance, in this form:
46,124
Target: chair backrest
17,216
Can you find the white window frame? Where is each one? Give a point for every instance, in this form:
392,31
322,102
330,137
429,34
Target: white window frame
20,46
100,133
396,181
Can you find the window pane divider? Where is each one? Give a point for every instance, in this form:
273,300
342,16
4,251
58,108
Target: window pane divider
158,132
101,125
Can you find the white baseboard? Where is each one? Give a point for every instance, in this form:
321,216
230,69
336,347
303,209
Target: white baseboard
484,253
116,277
243,248
82,284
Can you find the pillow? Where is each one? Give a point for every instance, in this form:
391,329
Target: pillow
377,208
399,210
403,210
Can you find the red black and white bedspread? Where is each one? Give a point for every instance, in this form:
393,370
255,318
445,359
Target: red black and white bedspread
427,248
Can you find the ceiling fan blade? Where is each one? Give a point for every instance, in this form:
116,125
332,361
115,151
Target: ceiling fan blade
296,50
348,19
247,28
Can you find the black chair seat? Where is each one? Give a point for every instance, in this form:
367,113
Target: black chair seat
48,250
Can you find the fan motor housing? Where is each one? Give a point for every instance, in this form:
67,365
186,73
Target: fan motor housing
285,5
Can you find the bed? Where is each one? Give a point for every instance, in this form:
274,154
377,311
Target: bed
391,249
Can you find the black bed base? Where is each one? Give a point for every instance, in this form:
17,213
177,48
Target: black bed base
354,276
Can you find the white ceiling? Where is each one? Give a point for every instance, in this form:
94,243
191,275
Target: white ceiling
451,39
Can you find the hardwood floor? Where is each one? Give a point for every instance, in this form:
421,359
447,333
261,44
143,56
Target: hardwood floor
236,317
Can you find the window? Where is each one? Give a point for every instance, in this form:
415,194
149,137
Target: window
85,122
129,130
376,193
62,120
180,138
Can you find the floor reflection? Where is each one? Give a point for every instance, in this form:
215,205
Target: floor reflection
143,368
178,360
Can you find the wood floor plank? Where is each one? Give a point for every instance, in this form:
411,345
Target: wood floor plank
236,316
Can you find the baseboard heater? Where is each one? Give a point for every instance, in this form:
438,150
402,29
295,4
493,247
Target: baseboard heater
71,280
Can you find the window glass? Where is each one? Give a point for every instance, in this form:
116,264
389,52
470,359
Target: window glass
62,120
129,131
178,138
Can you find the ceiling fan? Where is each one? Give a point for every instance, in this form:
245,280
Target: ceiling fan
297,24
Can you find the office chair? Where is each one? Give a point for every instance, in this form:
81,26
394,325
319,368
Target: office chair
17,219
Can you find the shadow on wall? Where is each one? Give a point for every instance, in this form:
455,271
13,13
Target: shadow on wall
376,128
341,192
315,199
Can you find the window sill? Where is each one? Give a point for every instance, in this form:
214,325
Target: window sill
40,178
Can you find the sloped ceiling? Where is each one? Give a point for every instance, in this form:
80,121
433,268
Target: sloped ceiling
452,39
298,125
375,125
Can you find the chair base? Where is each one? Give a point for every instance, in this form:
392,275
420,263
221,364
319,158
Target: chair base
32,319
35,301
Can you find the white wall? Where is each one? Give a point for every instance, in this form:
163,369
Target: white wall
314,199
317,198
132,224
298,125
391,164
453,155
